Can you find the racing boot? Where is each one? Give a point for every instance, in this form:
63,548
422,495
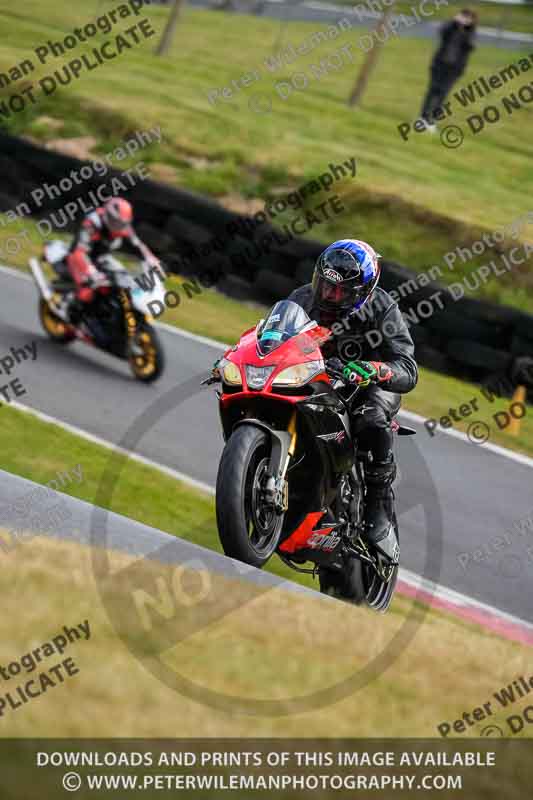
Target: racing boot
379,504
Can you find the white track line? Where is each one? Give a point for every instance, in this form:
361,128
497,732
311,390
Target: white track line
90,437
16,273
409,415
526,461
194,337
457,598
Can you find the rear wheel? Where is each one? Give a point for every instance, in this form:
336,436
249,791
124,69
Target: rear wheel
359,583
347,585
248,527
58,330
379,592
147,360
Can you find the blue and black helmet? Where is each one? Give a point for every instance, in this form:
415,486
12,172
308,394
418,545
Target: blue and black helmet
346,273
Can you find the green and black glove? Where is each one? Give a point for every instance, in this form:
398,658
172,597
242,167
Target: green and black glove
363,373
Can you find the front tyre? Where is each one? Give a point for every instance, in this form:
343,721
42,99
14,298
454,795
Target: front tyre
146,358
249,528
58,330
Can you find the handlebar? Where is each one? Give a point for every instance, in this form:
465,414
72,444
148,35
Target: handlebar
334,373
211,379
158,267
344,384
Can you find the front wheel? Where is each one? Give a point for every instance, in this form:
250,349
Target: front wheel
248,527
58,330
146,358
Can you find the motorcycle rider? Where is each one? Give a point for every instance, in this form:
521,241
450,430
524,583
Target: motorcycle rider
344,297
105,229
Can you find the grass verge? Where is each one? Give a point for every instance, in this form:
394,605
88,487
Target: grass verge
273,645
174,507
448,197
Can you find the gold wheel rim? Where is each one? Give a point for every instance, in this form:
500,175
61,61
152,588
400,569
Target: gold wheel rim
147,363
52,324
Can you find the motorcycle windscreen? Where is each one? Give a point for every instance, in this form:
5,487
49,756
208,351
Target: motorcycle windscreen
285,320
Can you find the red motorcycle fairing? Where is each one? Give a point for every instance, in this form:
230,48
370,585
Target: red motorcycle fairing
298,350
307,536
306,533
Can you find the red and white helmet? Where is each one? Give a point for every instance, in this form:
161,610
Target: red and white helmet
118,215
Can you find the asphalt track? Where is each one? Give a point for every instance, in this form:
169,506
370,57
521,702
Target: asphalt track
329,13
478,494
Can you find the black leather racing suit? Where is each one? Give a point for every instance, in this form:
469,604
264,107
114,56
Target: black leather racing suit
377,332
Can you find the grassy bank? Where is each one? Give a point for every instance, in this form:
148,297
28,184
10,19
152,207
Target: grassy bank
273,645
415,200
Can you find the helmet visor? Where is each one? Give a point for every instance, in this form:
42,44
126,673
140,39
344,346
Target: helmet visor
115,223
329,295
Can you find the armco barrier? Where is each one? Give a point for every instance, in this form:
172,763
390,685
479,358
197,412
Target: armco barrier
467,338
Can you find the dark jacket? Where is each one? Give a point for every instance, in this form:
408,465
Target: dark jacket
377,332
456,42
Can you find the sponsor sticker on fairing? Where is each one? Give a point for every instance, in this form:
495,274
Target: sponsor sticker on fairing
337,436
323,541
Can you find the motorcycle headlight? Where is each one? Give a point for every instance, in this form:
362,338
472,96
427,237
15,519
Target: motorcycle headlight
299,374
231,374
256,377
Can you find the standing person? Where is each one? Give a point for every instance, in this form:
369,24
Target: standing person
449,62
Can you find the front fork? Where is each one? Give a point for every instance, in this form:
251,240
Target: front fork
46,292
129,317
276,491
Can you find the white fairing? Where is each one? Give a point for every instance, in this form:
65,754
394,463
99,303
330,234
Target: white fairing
56,251
142,298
